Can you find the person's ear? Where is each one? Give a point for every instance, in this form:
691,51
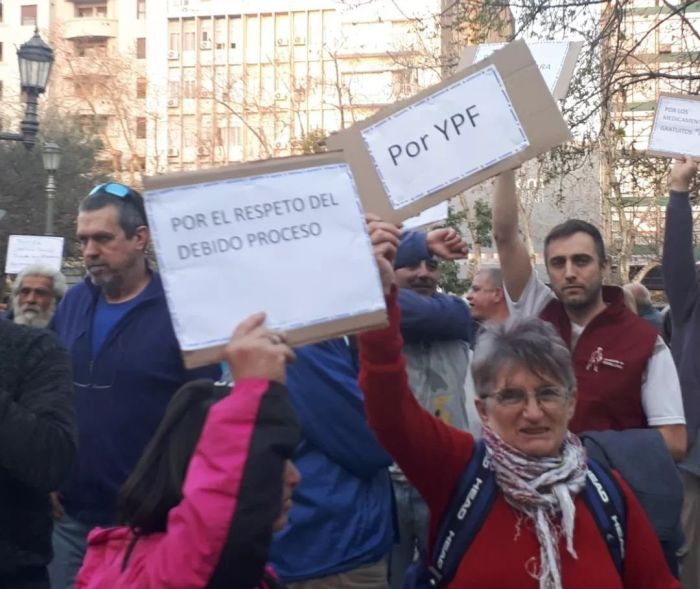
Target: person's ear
142,236
481,409
571,404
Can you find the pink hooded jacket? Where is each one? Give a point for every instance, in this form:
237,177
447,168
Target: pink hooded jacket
219,534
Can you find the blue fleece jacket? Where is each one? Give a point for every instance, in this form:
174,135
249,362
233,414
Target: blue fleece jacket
683,293
120,394
342,513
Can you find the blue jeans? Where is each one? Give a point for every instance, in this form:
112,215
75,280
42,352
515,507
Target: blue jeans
413,520
69,547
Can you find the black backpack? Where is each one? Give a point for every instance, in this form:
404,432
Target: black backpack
471,504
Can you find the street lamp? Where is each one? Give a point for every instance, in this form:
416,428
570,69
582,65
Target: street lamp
52,160
35,61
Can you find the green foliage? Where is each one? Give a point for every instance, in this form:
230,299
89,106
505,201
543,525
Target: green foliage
313,141
480,224
450,280
23,186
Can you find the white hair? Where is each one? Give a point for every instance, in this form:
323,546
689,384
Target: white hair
58,280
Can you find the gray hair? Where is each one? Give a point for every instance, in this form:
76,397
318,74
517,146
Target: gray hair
495,275
57,279
527,342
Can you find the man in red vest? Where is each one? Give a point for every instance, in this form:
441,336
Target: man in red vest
625,373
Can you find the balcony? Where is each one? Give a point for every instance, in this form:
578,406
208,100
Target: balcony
90,27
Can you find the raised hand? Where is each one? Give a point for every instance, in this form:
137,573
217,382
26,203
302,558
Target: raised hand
256,352
385,241
447,244
682,173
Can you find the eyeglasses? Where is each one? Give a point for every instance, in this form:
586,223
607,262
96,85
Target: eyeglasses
547,397
25,291
124,192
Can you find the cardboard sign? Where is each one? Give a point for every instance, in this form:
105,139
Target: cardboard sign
486,119
26,250
284,236
676,129
433,215
556,60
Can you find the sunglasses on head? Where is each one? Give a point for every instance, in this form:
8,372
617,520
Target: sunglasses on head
121,191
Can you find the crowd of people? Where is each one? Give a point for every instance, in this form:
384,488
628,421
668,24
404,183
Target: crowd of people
538,434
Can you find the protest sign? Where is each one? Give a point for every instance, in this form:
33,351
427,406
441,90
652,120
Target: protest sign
433,215
421,151
284,236
676,128
556,60
26,250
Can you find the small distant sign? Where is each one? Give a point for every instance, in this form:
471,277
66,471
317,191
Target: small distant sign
25,250
676,129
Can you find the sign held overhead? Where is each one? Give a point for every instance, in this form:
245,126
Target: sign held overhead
676,128
284,236
488,118
26,250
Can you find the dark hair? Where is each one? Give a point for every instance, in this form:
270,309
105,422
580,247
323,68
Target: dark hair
131,211
572,226
155,485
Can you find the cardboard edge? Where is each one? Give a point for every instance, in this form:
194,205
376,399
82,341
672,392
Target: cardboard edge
467,57
300,337
512,59
567,70
242,170
668,154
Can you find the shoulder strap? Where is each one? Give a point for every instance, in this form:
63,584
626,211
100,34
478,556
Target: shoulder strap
468,508
606,502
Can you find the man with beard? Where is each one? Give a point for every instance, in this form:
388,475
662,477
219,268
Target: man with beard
126,366
436,329
35,294
625,373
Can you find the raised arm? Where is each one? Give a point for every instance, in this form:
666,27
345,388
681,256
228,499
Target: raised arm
678,260
512,253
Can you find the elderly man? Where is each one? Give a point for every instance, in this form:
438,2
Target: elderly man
37,445
126,365
486,297
35,293
645,308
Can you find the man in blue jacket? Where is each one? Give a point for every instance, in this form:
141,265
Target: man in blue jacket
126,366
437,329
683,291
340,530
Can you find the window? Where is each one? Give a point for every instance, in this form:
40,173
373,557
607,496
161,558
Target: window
188,41
141,48
174,42
29,15
141,127
0,10
0,89
0,52
90,10
140,9
141,87
89,46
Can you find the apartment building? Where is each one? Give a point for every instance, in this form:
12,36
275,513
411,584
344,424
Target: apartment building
253,79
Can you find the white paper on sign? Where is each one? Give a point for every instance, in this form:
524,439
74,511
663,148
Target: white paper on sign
26,250
466,127
429,216
676,127
293,244
548,55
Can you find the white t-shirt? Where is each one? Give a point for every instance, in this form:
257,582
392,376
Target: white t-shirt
662,400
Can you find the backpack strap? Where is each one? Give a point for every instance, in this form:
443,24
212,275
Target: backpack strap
468,508
606,501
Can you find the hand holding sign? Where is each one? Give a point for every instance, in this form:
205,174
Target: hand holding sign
385,241
682,172
447,244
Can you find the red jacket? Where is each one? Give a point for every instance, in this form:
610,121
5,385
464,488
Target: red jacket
609,361
433,455
219,534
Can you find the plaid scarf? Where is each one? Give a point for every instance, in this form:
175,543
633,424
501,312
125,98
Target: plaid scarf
542,489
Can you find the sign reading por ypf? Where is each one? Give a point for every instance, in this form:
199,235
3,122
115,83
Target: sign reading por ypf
485,119
285,238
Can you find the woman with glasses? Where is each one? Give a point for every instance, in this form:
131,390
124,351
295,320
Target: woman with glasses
539,529
213,484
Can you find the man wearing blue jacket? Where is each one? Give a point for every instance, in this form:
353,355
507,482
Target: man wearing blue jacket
683,291
437,329
340,531
126,366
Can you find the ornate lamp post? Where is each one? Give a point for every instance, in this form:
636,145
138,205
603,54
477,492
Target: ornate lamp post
52,160
35,61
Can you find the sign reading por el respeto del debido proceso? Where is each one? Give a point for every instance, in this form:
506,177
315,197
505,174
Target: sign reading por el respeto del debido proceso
291,243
